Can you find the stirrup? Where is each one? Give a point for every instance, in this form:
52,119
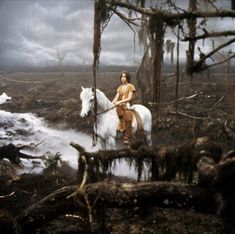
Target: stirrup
126,141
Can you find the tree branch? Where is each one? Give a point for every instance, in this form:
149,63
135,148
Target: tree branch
186,115
124,18
219,63
210,34
166,15
198,65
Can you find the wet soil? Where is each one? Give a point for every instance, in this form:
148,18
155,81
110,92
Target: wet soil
209,113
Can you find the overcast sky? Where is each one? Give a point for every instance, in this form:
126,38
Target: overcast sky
32,30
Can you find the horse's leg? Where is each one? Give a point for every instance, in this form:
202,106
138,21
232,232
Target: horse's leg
102,143
111,144
148,138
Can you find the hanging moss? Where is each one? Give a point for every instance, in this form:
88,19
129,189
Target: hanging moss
166,163
101,15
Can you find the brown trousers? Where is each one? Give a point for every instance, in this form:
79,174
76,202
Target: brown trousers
125,117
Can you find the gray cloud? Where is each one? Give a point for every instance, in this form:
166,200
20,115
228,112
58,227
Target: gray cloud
31,32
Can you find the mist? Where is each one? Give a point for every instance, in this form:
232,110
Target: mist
28,128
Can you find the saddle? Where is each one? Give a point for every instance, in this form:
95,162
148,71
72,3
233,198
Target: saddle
127,115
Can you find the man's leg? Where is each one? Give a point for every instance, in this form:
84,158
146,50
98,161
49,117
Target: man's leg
122,124
128,121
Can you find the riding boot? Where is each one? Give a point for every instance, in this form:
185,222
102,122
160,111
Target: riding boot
128,132
122,125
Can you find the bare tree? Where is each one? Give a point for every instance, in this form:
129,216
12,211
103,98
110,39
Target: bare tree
61,56
152,21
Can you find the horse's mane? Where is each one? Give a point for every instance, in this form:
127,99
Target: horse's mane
103,99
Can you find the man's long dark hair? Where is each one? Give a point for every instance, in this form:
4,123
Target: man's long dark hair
128,76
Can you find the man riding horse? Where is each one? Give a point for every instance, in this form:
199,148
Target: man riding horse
122,100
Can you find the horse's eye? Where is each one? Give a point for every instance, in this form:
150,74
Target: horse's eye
91,100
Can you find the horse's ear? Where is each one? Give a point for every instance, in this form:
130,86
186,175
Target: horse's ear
82,88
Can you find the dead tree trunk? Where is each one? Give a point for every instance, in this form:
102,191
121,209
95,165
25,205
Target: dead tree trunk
158,57
225,185
192,33
177,69
114,195
144,74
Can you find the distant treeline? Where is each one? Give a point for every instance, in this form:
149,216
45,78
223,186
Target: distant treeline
167,68
79,68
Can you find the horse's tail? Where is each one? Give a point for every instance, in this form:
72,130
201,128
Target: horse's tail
140,127
139,135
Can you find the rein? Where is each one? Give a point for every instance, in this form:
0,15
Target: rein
102,112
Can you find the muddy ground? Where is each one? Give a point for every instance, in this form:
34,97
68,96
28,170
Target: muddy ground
209,113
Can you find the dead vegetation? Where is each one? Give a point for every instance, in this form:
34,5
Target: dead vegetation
192,176
203,111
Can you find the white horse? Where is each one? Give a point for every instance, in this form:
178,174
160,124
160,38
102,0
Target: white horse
108,120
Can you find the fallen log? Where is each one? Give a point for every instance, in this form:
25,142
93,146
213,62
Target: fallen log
13,153
46,209
101,195
116,195
224,183
220,177
165,162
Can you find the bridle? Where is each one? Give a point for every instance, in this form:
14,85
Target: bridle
94,108
104,111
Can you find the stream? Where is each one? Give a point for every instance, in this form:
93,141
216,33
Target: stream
27,128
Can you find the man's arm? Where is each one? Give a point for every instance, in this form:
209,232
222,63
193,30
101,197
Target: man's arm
115,98
128,99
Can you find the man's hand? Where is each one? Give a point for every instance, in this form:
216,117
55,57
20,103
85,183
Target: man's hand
117,103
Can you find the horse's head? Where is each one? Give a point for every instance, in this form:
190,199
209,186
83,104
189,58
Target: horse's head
87,98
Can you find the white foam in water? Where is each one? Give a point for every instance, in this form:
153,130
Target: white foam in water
4,98
26,128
